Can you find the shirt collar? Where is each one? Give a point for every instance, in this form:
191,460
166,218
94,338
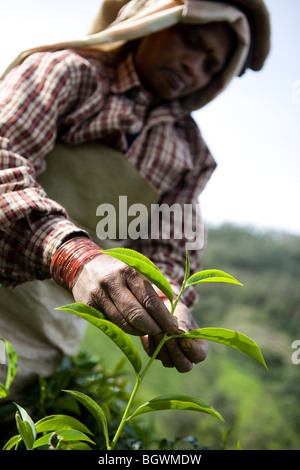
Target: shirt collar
126,77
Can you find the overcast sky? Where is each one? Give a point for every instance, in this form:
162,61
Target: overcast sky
252,129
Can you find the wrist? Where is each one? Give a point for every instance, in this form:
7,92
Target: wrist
70,258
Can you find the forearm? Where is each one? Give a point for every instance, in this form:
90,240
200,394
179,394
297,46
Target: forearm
26,249
32,226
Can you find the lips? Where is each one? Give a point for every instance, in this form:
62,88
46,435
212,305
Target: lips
175,80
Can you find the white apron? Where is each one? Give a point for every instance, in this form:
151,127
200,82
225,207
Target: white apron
80,178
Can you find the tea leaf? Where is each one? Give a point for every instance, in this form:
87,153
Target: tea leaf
12,361
93,408
26,427
25,432
79,308
211,275
66,434
13,442
4,392
230,338
176,402
121,339
187,267
57,422
142,264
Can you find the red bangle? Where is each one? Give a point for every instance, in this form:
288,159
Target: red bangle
69,258
161,295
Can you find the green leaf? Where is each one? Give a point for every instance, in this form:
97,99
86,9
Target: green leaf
78,308
230,338
13,442
143,264
80,446
176,402
12,360
121,339
4,392
187,267
211,275
65,434
57,422
26,427
93,408
25,431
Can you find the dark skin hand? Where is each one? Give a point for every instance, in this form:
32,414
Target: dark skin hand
179,353
129,301
180,60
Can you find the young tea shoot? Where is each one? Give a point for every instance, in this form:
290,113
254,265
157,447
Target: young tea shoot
60,431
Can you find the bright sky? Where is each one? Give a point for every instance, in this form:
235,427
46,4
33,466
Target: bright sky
253,128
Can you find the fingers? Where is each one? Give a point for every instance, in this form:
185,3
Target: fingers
194,349
179,359
129,301
122,308
150,344
104,304
175,354
141,307
125,296
148,298
179,353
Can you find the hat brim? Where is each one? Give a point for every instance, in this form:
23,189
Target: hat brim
130,20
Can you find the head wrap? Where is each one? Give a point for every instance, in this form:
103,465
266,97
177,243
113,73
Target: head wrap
120,21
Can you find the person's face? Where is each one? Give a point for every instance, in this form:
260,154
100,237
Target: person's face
177,61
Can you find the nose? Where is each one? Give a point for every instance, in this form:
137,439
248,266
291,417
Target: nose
193,65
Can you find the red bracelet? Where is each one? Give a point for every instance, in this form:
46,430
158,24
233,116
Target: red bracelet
161,295
69,258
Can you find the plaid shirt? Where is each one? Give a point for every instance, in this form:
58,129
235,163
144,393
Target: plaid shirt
64,96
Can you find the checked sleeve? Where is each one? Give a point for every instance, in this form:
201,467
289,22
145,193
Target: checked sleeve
34,98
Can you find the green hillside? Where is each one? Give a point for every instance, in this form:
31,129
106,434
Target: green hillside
260,407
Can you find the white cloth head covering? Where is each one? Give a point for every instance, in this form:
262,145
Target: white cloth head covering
138,18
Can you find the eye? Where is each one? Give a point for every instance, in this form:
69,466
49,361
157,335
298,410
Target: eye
191,37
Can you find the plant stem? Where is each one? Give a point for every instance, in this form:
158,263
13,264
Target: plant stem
153,357
182,289
139,379
126,412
